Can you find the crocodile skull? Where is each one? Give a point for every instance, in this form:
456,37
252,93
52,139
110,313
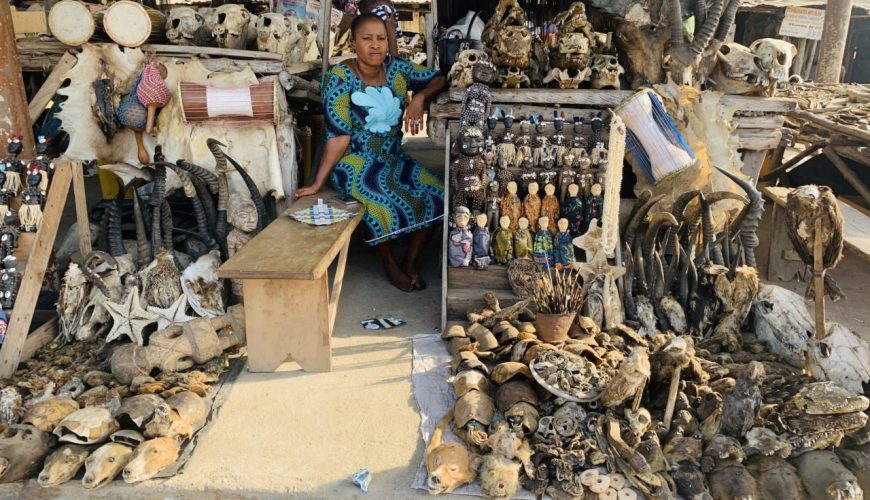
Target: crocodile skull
606,71
271,28
461,71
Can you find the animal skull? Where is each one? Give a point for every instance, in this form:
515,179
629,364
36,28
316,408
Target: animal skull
514,77
567,78
573,50
233,27
461,71
606,71
185,26
738,70
774,59
271,28
513,46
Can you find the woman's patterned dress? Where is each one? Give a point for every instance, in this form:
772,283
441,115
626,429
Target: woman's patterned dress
399,195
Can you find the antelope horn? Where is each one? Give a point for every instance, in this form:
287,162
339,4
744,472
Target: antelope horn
156,203
675,19
114,237
166,225
639,216
639,271
705,34
205,197
96,280
700,11
749,226
657,220
657,281
205,175
628,285
219,157
727,20
694,212
255,195
674,266
641,201
684,277
682,202
144,250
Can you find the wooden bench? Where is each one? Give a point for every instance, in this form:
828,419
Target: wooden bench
783,262
289,307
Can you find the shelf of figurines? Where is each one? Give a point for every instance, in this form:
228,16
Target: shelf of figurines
507,179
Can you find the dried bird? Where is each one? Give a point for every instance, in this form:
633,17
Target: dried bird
161,281
743,403
804,206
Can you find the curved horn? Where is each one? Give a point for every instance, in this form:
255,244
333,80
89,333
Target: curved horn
142,247
639,216
628,285
256,197
700,12
674,266
675,21
114,236
705,34
166,225
641,201
749,226
682,202
727,20
205,175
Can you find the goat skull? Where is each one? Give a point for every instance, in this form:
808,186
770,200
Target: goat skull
185,26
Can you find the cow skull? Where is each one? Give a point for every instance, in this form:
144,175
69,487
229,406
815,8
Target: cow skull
570,78
774,57
271,28
461,71
234,26
514,78
606,71
737,70
185,26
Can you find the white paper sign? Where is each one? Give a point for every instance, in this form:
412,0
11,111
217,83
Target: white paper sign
800,22
229,101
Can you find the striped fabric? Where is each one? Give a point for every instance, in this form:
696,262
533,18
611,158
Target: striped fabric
234,105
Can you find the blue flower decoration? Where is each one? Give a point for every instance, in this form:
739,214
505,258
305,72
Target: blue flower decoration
384,109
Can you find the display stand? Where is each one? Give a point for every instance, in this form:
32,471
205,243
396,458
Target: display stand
33,254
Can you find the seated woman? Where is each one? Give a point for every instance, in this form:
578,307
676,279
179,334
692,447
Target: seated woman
363,99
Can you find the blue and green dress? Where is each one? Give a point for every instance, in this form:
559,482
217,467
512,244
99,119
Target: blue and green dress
399,195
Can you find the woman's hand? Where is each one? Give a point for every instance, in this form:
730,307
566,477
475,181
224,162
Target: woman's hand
308,190
414,114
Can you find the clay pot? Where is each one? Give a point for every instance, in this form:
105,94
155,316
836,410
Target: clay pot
553,327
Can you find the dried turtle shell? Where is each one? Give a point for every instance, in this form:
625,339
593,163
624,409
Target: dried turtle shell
473,405
465,360
456,344
470,380
453,332
827,398
520,348
482,335
137,410
515,391
505,331
128,437
523,415
809,424
45,415
508,370
89,425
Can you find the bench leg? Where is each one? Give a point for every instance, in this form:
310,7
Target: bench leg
288,318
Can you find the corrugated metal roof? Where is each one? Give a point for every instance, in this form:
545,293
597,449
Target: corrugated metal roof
820,4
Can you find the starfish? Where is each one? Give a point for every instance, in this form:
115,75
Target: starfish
596,266
175,313
128,318
590,242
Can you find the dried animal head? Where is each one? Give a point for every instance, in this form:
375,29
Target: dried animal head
150,458
499,476
185,26
461,73
204,290
774,58
105,463
233,26
47,414
271,28
62,465
90,425
22,448
606,71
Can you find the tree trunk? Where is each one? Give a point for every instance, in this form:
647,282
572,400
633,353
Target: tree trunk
14,115
833,44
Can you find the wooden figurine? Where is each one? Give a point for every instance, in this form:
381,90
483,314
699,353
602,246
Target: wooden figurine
547,177
598,157
550,205
12,166
597,125
461,242
510,205
9,281
242,216
5,195
572,209
507,150
567,176
532,205
503,242
8,234
524,147
481,242
32,199
594,206
558,140
543,246
492,202
563,247
523,241
467,170
542,143
583,161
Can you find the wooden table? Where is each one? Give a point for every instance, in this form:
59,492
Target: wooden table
289,307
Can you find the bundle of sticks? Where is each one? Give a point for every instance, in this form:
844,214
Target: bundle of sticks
559,292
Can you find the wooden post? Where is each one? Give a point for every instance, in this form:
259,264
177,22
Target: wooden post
325,21
819,281
833,44
798,65
13,100
848,174
52,84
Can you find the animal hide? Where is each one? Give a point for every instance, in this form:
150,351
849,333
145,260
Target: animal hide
255,148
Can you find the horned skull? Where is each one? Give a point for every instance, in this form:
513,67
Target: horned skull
737,70
233,27
271,28
774,57
185,26
514,77
461,72
606,71
570,78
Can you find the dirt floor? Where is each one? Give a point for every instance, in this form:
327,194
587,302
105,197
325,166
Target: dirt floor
304,434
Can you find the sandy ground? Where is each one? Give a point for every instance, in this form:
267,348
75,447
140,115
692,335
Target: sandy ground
301,434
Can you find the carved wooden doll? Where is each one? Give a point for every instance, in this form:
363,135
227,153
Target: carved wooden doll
492,201
242,216
503,242
467,170
461,241
9,281
594,206
567,176
523,240
543,246
583,161
532,206
4,194
547,177
558,140
481,242
510,205
32,198
12,166
550,205
507,150
572,210
524,146
597,125
542,143
599,156
577,141
563,248
8,234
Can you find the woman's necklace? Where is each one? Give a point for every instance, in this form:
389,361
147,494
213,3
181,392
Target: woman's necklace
382,71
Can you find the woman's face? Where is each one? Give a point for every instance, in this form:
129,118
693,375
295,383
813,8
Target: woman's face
370,42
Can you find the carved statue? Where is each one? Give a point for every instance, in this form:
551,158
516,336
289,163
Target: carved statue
550,205
567,176
572,210
511,206
503,243
492,202
4,193
461,242
523,241
8,234
543,246
507,150
558,140
467,170
243,217
594,206
9,281
524,146
563,247
532,206
478,98
480,242
32,199
12,166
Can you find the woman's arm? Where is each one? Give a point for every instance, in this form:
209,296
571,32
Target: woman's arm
414,111
332,153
